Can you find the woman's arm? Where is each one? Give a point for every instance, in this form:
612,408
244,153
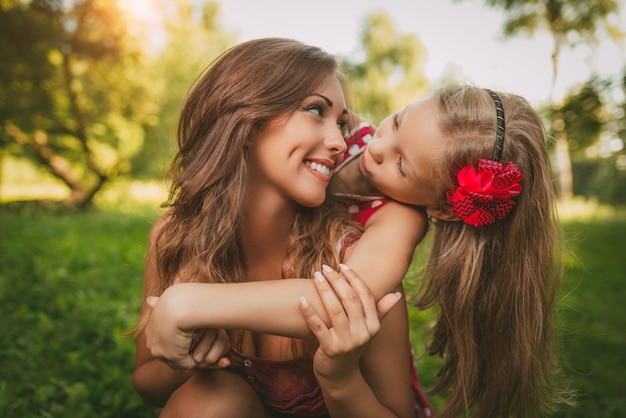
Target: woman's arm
392,236
153,379
172,325
360,376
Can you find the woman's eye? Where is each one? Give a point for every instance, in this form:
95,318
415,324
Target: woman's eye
315,109
399,167
343,126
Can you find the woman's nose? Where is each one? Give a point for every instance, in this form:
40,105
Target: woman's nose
335,141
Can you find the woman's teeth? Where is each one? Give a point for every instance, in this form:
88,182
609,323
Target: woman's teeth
320,168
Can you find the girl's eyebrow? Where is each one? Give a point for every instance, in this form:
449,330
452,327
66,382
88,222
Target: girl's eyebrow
399,118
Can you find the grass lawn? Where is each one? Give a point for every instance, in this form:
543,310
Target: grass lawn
70,286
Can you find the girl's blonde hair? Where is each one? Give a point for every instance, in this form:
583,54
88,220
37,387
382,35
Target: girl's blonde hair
495,286
227,109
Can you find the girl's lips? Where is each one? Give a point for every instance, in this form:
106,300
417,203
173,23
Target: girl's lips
363,164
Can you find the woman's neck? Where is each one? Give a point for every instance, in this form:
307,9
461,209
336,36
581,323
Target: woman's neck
265,233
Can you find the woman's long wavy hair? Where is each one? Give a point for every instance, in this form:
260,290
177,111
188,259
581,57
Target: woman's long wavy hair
495,286
227,109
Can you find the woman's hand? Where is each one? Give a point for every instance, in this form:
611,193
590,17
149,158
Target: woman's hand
180,348
355,319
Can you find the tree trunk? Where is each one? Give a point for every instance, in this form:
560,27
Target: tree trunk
563,160
566,184
58,166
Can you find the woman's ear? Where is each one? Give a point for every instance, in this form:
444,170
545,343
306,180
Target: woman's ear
445,214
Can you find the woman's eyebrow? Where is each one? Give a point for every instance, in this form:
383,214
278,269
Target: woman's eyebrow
329,102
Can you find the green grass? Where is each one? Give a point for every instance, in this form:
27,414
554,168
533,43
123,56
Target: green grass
71,284
70,287
593,316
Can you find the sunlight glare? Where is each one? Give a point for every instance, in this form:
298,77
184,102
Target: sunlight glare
146,11
146,20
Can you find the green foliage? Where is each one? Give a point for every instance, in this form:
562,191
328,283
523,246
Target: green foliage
196,38
584,115
392,72
562,17
70,287
601,180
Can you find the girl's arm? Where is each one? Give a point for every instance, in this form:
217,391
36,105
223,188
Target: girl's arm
384,252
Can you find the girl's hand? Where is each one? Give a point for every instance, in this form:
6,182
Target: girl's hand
355,319
183,349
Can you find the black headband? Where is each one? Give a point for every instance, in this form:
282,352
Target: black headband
497,152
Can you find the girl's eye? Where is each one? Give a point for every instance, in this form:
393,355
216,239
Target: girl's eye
395,120
399,167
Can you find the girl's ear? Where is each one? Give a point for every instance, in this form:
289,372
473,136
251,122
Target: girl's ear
445,214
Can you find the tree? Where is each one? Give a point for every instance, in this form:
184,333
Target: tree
595,123
570,23
76,93
392,72
194,37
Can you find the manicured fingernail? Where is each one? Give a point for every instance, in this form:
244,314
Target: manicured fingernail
326,268
149,299
224,362
198,357
398,295
318,276
304,302
344,267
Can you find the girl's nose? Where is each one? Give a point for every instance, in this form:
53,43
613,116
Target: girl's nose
376,149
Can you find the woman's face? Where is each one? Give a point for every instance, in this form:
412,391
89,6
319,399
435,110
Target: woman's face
295,156
399,159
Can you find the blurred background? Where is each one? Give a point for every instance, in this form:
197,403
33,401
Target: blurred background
89,99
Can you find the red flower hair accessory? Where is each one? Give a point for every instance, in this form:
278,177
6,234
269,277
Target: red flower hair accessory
485,194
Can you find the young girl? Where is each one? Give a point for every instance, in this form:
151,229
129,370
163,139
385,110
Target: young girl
260,135
478,162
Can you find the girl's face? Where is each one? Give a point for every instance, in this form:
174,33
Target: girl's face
294,158
399,160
